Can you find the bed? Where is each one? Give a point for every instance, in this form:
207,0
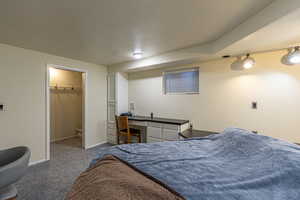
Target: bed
235,164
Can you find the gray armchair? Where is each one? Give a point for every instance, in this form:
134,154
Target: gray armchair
13,165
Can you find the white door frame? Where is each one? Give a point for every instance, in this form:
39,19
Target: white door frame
84,104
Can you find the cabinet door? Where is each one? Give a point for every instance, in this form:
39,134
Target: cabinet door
111,108
111,112
154,132
112,135
169,134
152,140
171,126
111,87
155,124
111,100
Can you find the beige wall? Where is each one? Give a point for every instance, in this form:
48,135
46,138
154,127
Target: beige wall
225,97
65,104
23,90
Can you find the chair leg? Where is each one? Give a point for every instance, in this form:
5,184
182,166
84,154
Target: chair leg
140,138
118,139
129,139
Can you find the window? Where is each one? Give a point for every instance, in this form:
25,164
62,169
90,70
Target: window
181,82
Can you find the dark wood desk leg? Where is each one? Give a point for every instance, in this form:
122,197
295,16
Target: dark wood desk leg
140,138
118,139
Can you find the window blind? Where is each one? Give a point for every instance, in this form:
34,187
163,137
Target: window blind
181,82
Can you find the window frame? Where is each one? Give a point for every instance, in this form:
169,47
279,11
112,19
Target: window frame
178,71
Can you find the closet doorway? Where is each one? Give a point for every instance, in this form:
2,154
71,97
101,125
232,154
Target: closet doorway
66,97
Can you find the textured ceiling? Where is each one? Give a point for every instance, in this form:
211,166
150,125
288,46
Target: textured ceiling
108,31
283,33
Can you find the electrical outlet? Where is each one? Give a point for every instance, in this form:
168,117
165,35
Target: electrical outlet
254,105
131,107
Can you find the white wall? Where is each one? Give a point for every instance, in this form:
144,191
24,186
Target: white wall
23,90
225,97
65,104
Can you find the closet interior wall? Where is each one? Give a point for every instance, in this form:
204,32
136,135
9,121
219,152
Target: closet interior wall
65,104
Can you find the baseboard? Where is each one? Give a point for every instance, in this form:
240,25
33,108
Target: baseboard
64,138
37,162
94,145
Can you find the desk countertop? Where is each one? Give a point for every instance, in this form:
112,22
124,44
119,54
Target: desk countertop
159,120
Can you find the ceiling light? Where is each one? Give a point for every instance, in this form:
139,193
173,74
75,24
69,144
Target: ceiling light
137,55
241,64
292,58
237,65
285,60
248,62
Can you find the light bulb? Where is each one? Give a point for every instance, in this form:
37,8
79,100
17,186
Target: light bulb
248,62
137,55
292,58
295,59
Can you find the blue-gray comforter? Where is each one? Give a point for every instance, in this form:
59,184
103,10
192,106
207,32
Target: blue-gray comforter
233,165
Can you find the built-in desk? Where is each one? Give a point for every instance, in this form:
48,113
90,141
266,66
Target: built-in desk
160,129
195,133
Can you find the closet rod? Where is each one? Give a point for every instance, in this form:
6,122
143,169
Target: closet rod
63,87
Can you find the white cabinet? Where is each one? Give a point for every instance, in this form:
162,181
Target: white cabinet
111,134
111,87
152,140
111,108
117,102
169,134
154,132
158,132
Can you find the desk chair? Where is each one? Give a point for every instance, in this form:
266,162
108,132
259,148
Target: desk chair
124,130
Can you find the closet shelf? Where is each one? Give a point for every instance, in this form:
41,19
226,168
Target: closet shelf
57,87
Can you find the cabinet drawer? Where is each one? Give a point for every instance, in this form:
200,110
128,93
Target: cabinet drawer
152,140
112,140
154,132
170,134
154,124
171,126
137,123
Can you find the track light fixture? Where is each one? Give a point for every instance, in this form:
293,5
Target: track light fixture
241,64
292,57
248,62
237,65
137,54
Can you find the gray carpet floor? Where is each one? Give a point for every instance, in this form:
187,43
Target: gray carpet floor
51,180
